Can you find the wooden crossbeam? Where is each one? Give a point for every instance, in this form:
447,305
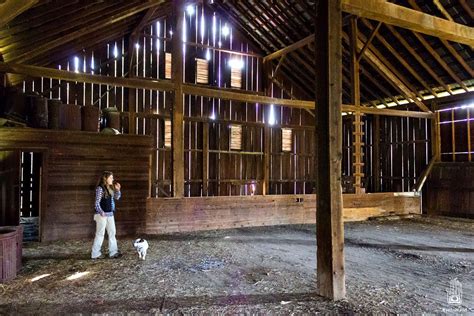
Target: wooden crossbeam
188,88
9,9
371,37
301,43
36,71
389,13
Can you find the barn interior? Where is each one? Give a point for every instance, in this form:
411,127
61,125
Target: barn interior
293,156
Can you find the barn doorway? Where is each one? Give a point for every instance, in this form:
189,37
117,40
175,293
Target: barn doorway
20,191
30,194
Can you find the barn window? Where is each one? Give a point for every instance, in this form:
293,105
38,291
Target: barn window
236,137
167,65
236,66
202,71
167,133
286,139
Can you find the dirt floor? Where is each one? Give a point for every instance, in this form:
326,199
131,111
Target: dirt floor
402,266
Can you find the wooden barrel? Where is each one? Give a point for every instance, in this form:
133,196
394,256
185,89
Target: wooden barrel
70,117
54,108
8,253
112,117
38,111
15,106
90,118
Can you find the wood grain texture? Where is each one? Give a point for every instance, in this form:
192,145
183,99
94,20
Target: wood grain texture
74,162
171,215
450,189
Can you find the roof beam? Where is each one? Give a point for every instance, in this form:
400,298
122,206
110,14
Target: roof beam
301,43
146,17
413,20
35,71
389,72
367,43
9,9
86,30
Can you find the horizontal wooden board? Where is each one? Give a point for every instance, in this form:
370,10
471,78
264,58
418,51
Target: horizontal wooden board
168,215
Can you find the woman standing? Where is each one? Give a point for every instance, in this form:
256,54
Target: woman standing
106,193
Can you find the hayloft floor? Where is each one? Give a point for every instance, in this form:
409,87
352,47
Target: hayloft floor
401,266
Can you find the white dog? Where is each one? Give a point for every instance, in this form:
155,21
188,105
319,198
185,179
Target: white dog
141,246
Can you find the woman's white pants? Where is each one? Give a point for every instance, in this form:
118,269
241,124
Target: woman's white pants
104,223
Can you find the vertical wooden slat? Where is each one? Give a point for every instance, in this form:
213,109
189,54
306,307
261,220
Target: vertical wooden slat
205,159
435,133
469,134
453,135
329,226
131,92
266,132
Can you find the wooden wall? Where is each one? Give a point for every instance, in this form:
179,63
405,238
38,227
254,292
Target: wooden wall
396,152
169,215
72,164
450,190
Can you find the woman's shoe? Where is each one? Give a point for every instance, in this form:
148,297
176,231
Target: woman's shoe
117,255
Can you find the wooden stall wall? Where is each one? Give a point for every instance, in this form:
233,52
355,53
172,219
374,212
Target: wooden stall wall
171,215
74,162
450,190
450,186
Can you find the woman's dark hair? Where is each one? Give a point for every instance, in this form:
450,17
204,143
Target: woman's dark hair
108,190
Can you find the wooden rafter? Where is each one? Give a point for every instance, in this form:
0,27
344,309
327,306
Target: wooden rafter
445,43
420,60
388,72
440,60
467,8
9,9
144,20
86,30
413,20
400,59
369,40
301,43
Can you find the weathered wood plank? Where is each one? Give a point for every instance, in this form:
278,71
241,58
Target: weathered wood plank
329,225
169,215
389,13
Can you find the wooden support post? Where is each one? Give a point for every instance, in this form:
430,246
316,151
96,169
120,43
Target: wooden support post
329,226
177,67
376,153
435,135
355,83
266,159
205,158
267,84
